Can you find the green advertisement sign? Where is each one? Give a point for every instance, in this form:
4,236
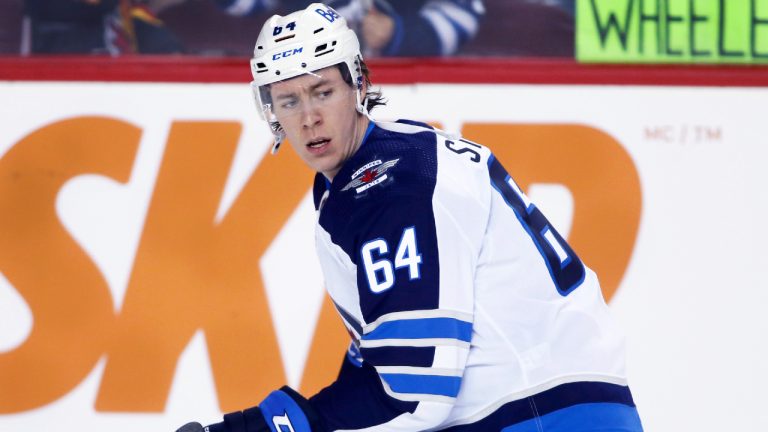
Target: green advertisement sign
672,31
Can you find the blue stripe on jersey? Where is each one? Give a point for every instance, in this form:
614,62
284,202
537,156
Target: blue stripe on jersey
399,356
582,392
422,328
423,384
554,399
584,418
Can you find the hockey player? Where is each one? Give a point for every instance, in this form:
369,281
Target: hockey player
467,310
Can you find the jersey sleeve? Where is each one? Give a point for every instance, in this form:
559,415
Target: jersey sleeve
415,265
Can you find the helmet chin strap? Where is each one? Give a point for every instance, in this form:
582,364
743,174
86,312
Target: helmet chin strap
362,100
362,107
278,141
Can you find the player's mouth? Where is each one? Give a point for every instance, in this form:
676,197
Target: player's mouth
317,145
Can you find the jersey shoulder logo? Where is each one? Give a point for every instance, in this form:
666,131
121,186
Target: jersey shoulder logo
369,175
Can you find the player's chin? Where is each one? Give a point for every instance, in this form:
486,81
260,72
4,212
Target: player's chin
318,163
328,167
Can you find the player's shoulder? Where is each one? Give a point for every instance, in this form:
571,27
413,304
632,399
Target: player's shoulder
401,163
410,130
405,126
408,158
412,135
402,136
396,160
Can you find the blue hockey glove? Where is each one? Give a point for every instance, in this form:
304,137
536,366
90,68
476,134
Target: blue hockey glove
282,410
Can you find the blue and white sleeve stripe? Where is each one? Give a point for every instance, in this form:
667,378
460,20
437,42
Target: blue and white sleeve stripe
421,329
428,384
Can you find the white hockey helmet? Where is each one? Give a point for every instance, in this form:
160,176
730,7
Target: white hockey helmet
302,42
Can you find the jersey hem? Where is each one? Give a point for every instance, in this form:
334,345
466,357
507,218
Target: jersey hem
532,391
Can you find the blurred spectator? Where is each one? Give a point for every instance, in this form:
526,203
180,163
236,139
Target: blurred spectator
246,7
531,28
390,27
96,27
412,27
525,28
566,5
10,26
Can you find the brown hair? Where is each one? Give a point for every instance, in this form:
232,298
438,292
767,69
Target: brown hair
375,98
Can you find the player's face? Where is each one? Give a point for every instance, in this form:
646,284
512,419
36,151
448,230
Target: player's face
318,114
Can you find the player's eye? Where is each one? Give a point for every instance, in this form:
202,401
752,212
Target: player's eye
288,104
325,93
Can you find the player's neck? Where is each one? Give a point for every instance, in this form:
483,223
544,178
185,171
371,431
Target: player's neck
361,128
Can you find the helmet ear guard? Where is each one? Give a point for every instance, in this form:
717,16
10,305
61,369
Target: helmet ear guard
299,43
354,76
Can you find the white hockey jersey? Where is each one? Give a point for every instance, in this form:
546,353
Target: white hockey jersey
467,310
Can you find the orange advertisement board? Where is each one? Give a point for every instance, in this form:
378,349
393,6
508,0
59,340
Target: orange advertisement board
157,264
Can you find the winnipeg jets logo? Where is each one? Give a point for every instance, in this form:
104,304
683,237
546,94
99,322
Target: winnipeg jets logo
369,175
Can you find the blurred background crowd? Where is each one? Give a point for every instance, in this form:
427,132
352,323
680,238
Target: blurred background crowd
387,28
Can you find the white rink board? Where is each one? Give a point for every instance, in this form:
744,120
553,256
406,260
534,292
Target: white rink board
692,300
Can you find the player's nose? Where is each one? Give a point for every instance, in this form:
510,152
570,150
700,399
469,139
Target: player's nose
310,116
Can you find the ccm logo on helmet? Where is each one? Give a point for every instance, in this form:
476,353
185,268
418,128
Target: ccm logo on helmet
288,53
